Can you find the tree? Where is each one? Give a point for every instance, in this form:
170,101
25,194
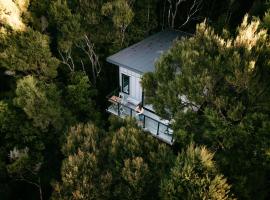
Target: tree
128,143
122,164
80,171
87,47
27,53
195,176
11,15
218,101
135,174
266,18
144,21
79,98
73,41
121,13
174,7
40,102
3,151
21,163
24,168
67,24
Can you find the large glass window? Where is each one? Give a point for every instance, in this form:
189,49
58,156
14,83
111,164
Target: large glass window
125,83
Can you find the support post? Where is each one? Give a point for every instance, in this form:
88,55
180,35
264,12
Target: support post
143,98
158,129
118,108
167,130
143,121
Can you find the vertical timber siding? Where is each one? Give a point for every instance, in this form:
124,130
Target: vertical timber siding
134,81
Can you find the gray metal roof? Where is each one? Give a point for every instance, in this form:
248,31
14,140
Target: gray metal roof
141,57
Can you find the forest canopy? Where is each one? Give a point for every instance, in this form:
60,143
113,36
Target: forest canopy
58,142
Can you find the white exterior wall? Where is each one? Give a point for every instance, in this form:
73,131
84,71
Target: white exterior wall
135,89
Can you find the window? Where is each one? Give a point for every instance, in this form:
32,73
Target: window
125,83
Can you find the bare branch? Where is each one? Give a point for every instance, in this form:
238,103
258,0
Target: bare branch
83,67
163,15
191,15
88,48
38,185
173,9
67,59
196,6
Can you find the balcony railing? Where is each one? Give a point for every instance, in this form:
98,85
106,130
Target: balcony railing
158,128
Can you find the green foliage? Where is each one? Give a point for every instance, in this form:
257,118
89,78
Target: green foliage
28,53
15,133
266,20
145,20
84,138
68,25
24,168
194,176
3,111
120,11
135,174
39,15
78,174
37,109
11,14
80,171
79,98
216,88
123,164
21,164
121,14
89,10
40,102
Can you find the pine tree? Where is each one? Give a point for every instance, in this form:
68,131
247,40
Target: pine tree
40,102
194,176
28,53
216,88
123,164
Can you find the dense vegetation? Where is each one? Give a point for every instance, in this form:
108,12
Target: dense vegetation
57,141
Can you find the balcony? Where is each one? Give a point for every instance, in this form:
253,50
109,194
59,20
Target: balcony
125,107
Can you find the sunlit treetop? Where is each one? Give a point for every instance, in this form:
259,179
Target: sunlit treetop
11,12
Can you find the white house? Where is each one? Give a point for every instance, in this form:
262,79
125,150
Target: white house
133,62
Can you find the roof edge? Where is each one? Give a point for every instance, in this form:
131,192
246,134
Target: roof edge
121,65
113,61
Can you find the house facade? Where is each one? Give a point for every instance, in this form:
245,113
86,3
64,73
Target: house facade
133,62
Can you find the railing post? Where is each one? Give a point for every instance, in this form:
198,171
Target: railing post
158,129
130,112
118,108
167,130
143,121
143,98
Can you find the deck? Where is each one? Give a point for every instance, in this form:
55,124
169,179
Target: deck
152,123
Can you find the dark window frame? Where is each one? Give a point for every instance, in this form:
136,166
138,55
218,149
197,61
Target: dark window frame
122,87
